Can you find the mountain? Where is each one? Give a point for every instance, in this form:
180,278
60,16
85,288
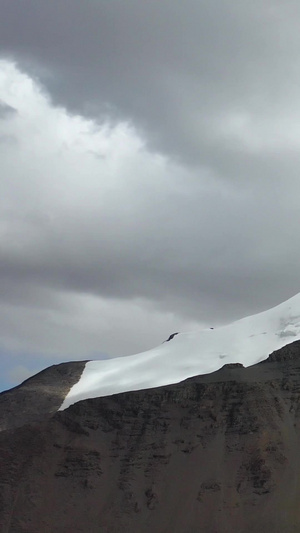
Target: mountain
247,341
215,453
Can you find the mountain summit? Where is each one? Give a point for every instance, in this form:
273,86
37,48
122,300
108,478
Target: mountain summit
246,341
215,453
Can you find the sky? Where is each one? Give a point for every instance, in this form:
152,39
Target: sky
150,163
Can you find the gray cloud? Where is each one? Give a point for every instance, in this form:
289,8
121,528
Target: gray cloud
171,68
183,209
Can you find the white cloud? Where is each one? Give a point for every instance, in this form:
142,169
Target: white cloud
74,199
107,246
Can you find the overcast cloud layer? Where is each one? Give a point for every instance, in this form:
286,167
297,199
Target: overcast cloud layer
150,162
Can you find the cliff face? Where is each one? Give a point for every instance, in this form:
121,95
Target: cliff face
217,453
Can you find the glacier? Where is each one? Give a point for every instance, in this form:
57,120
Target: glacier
247,341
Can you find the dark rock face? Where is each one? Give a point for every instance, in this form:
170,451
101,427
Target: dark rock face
214,454
233,365
38,396
287,353
171,337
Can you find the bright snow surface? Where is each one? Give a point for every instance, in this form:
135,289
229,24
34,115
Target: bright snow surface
245,341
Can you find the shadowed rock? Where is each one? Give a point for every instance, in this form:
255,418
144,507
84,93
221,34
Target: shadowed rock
215,454
38,396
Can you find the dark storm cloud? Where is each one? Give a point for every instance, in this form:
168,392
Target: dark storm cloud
173,68
210,232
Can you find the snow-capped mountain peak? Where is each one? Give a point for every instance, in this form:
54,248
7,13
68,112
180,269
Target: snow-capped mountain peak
247,341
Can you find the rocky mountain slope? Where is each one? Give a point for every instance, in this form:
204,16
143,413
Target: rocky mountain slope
215,453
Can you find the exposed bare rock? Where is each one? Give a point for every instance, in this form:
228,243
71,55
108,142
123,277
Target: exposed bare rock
287,353
38,396
215,454
171,336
